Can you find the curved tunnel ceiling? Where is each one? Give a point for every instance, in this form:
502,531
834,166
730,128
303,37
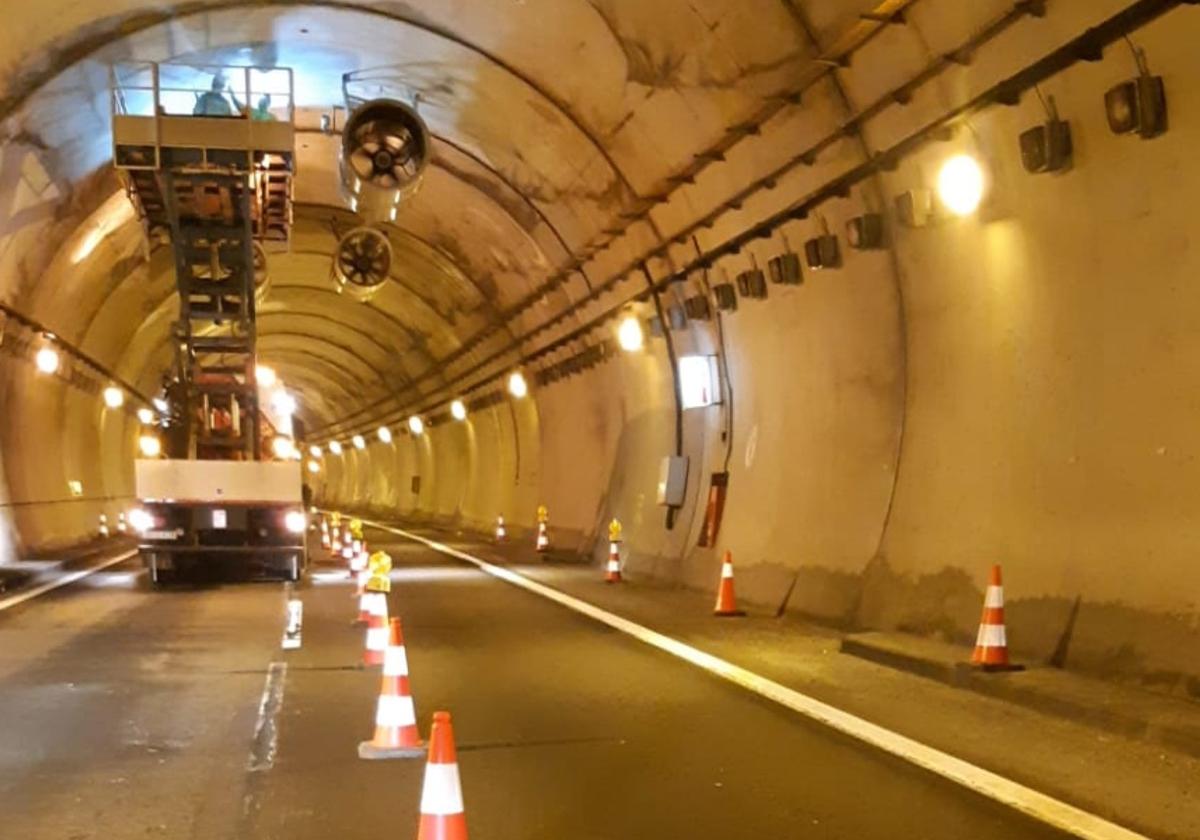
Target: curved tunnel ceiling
560,125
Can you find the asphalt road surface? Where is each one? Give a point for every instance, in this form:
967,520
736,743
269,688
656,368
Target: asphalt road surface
127,713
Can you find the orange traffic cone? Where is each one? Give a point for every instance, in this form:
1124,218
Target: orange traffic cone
726,602
991,645
501,533
442,815
396,733
543,538
377,630
364,600
613,573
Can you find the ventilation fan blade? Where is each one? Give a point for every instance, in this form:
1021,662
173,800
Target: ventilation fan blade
362,163
369,145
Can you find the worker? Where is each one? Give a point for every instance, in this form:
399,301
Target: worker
262,111
213,103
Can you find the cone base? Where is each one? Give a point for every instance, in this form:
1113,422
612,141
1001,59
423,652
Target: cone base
729,613
368,751
995,668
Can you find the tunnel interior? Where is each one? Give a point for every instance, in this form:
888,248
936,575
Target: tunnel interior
1009,386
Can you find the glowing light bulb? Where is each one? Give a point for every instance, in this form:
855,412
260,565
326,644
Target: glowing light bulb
313,466
961,184
145,416
335,447
517,386
457,410
47,360
385,434
630,335
359,442
114,397
150,446
416,425
314,451
266,376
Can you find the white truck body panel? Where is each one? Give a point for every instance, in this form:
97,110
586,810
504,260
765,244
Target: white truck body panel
231,482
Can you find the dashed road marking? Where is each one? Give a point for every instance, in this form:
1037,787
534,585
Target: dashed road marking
1026,800
64,580
266,730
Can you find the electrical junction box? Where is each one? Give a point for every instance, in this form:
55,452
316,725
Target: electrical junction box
672,480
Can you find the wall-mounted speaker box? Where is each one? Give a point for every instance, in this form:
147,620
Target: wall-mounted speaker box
914,207
822,252
726,297
865,232
1137,105
697,308
1046,147
752,284
785,269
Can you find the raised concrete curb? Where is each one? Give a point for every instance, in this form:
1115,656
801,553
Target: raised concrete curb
1126,710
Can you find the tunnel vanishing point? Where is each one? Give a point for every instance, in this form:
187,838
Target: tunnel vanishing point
872,295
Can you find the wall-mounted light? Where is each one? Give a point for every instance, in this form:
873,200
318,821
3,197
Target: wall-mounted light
416,425
385,434
1047,147
630,334
150,446
314,451
47,360
785,269
265,376
335,447
458,410
961,185
914,207
114,397
822,252
517,386
313,466
359,442
865,232
752,283
161,404
145,416
1138,105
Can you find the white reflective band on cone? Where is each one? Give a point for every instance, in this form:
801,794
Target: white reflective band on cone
991,635
364,602
377,638
994,597
395,662
442,795
727,570
379,605
613,565
395,710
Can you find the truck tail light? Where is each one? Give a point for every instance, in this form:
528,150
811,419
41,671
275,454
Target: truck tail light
295,521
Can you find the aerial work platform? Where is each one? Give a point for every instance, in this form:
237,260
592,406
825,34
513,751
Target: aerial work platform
192,120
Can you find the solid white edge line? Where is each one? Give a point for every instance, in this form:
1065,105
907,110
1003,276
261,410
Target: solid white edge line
1028,801
65,580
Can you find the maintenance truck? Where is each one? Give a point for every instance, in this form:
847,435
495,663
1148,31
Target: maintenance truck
218,481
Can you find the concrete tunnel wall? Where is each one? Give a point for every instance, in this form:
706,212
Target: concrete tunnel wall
1012,387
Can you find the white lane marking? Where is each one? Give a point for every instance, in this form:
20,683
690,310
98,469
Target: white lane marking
295,623
1028,801
66,579
266,731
